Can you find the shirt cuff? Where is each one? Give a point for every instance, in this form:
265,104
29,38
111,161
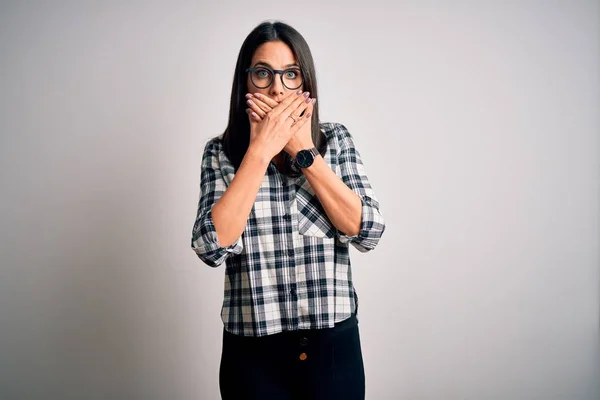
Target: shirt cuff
208,241
366,215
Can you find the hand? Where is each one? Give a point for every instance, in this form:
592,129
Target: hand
269,135
302,138
260,105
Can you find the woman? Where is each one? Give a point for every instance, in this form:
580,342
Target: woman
282,197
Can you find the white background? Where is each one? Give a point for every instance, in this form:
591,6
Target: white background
479,128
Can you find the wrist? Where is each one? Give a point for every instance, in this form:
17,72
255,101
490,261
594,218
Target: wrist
305,157
257,155
294,152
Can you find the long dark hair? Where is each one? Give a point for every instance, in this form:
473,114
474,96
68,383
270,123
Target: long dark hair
236,137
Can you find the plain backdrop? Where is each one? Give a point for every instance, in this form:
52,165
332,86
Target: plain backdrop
479,127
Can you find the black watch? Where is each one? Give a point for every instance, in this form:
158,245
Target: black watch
305,158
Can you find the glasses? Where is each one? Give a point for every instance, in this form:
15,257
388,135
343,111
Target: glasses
262,77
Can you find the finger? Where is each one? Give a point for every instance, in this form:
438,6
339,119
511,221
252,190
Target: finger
252,115
302,113
266,99
296,115
297,110
263,106
311,105
286,102
304,120
291,108
303,108
260,103
254,107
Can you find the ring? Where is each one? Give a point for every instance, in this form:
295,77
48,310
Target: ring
292,117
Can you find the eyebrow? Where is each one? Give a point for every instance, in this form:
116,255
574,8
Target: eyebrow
269,65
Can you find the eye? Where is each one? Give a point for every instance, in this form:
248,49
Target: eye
262,73
292,73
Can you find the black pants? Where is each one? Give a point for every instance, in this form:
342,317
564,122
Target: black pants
305,364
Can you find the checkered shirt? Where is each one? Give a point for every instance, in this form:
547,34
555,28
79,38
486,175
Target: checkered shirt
290,269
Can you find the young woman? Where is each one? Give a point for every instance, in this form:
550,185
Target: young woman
282,197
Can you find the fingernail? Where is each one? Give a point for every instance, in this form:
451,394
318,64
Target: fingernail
306,94
308,115
249,95
314,100
249,102
254,114
257,95
308,100
299,92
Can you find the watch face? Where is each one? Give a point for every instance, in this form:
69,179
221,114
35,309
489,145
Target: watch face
304,158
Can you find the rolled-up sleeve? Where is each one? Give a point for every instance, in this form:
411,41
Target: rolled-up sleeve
354,176
204,235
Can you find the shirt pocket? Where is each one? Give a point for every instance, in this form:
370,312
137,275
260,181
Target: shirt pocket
312,219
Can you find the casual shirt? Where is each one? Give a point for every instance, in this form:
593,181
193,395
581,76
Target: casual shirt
290,268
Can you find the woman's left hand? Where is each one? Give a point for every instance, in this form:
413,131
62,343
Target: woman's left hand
260,105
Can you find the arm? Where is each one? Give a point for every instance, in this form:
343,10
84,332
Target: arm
349,202
223,211
341,204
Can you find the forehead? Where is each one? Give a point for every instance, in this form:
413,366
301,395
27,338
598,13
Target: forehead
277,54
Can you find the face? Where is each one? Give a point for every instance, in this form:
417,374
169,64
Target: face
274,55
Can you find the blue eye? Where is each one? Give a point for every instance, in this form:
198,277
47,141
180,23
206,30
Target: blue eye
262,73
291,74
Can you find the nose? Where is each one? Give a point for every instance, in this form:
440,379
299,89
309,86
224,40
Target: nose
277,86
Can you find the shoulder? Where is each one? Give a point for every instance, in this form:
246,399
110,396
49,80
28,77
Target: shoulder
214,145
212,154
336,133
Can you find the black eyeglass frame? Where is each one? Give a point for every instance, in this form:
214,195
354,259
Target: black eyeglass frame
273,72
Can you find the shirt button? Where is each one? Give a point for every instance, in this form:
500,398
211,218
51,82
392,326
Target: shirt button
303,356
304,341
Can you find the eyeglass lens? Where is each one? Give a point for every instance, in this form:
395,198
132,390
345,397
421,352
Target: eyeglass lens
263,77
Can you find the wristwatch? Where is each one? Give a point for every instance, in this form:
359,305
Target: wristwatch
305,158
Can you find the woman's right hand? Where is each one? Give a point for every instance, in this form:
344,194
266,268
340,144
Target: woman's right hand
271,132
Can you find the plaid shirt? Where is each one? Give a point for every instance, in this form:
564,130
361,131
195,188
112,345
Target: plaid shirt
290,268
